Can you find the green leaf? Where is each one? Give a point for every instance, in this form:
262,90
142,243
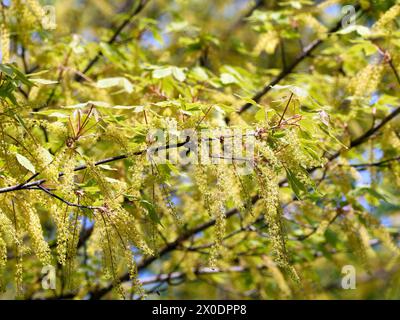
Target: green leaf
43,81
364,189
149,207
361,30
248,100
297,186
227,78
116,81
199,73
178,74
327,130
297,91
162,72
25,163
15,74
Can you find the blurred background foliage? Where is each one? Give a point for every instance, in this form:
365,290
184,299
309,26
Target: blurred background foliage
173,62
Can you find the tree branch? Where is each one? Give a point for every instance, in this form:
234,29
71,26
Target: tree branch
67,202
382,163
307,51
114,37
36,183
99,293
167,277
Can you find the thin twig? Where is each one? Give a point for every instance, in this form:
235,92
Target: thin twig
67,202
373,164
84,166
307,51
114,37
284,111
98,293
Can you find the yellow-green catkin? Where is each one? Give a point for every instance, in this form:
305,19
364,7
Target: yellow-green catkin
34,228
5,43
74,228
285,291
380,232
7,236
366,240
385,23
25,18
293,158
268,42
365,82
114,214
105,188
61,220
214,200
109,259
200,176
135,176
18,277
42,157
7,228
36,9
269,193
61,163
136,288
355,241
67,186
11,233
3,259
310,21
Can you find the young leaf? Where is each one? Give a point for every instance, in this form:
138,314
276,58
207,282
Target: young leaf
25,163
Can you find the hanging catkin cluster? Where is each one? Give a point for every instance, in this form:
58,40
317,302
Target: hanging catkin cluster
35,8
35,231
358,247
11,234
269,192
214,196
380,232
267,174
308,20
365,82
385,24
5,42
267,41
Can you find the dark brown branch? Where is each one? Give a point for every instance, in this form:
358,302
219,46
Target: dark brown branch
67,202
36,183
99,293
114,37
167,277
284,111
257,5
80,76
381,163
360,140
331,221
307,51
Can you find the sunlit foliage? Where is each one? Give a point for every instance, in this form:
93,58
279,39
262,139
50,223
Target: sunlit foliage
82,91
